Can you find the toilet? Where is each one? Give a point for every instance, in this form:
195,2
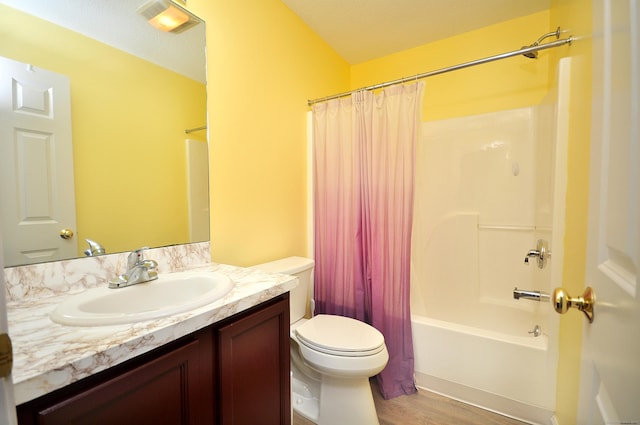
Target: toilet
332,357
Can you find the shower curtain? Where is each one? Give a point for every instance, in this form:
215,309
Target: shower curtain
364,152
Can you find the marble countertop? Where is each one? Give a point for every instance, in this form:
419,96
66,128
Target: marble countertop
48,356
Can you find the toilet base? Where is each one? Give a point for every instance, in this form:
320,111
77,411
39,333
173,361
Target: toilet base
303,401
346,401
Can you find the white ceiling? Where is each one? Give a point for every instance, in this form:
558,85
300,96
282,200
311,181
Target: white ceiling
361,30
116,23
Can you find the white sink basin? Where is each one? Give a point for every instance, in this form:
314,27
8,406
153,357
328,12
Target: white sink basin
170,294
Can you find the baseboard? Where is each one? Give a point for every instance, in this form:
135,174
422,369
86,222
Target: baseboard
488,401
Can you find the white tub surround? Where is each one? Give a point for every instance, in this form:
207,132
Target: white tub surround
488,188
48,356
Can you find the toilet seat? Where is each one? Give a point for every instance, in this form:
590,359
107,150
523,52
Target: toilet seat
340,336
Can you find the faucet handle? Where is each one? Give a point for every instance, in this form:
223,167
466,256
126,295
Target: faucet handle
541,252
136,257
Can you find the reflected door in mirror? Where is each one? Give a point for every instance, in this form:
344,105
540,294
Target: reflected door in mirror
36,163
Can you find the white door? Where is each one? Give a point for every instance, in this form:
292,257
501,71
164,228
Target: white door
37,198
7,402
610,374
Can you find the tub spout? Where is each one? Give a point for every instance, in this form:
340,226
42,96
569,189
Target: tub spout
530,295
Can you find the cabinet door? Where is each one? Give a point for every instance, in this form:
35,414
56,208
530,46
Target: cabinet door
253,369
170,389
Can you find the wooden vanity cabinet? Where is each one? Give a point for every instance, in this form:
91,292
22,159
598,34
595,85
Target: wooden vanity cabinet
253,374
169,385
233,372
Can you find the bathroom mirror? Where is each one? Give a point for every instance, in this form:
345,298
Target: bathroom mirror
138,129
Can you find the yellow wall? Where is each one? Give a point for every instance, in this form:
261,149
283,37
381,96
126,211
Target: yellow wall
122,170
575,17
263,63
506,84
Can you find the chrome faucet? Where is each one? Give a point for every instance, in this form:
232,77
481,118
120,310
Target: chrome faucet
531,253
139,270
541,252
94,248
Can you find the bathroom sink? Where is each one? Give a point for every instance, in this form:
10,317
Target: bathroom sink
170,294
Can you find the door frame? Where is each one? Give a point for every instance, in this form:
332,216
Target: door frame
7,400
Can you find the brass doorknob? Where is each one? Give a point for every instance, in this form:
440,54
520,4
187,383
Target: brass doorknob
562,302
66,233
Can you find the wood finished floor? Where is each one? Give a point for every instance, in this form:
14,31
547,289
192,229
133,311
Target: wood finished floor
427,408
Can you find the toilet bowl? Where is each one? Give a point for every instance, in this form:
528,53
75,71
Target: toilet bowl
332,357
341,346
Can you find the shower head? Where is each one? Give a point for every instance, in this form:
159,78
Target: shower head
534,55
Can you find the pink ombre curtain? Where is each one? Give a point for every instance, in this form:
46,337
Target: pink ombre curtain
364,153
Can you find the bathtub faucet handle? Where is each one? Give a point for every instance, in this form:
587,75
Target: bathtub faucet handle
541,252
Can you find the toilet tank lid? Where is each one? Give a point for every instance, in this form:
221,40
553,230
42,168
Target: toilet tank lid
289,265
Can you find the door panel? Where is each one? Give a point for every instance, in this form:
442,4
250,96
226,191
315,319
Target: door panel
36,164
610,375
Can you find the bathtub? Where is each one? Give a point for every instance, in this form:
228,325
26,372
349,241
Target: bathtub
487,188
504,373
472,341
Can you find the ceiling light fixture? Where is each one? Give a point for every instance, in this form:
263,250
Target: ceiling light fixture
167,16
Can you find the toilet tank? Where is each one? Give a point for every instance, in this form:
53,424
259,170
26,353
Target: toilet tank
300,296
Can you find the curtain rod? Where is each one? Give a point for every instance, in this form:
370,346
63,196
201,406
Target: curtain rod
524,51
